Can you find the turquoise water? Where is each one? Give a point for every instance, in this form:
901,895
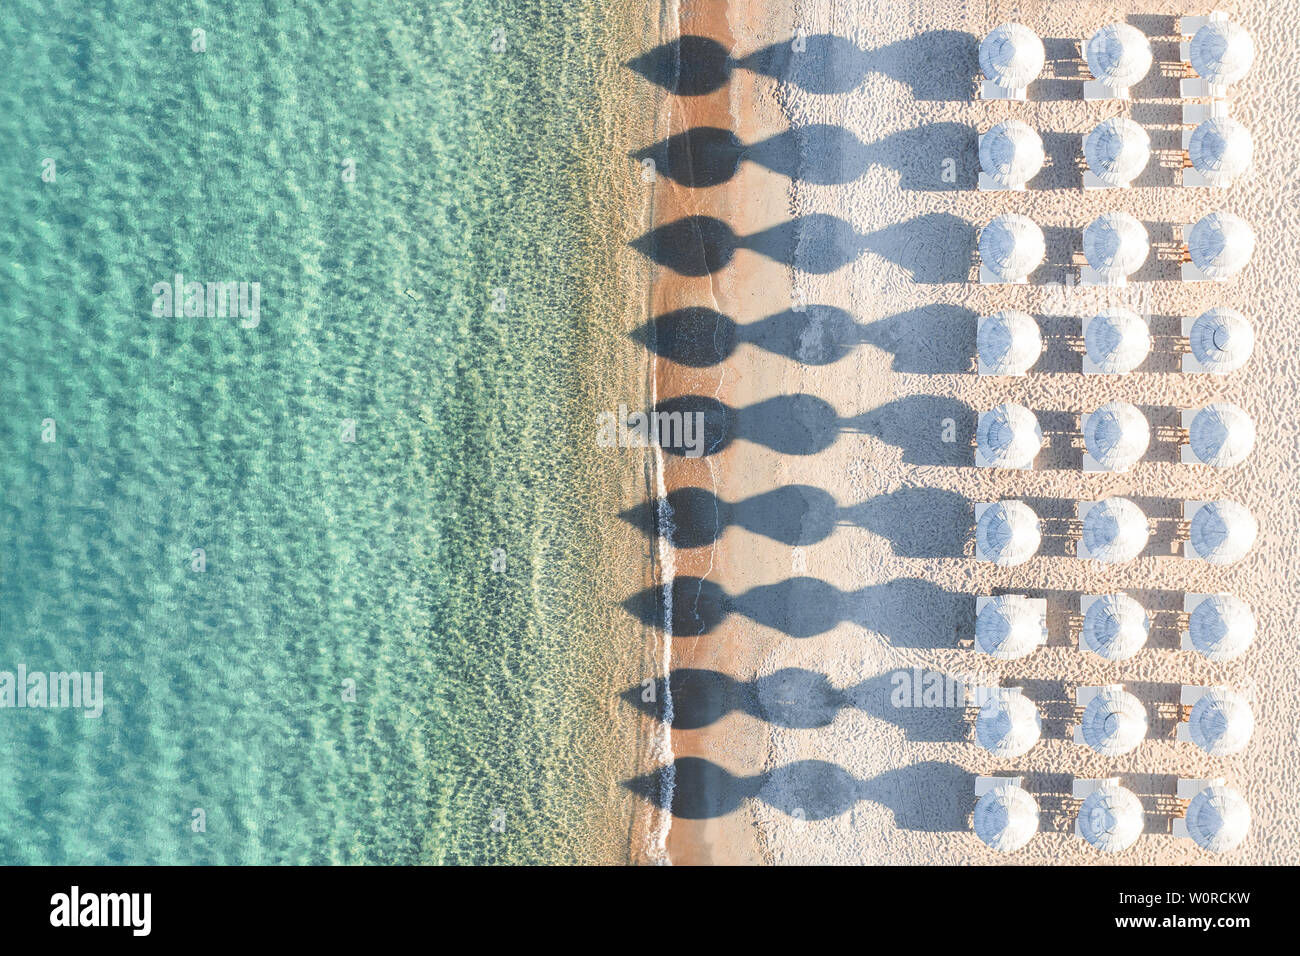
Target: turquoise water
327,561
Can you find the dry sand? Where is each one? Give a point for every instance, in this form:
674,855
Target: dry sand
900,557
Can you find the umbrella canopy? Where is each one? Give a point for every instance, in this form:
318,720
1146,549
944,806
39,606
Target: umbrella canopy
1117,340
1218,818
1008,725
1222,435
1223,532
1221,722
1115,627
1008,627
1117,150
1222,340
1006,817
1008,533
1009,342
1114,722
1012,246
1012,56
1115,245
1115,531
1117,435
1118,55
1111,818
1009,436
1220,150
1011,153
1221,244
1221,52
1221,627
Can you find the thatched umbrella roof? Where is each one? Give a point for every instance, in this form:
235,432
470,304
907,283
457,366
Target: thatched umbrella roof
1221,244
1222,52
1222,339
1117,150
1117,340
1009,342
1011,247
1006,817
1011,153
1115,627
1012,56
1118,55
1008,533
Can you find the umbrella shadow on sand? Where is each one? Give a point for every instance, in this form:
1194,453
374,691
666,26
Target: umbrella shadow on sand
908,612
702,245
798,515
700,337
937,65
931,796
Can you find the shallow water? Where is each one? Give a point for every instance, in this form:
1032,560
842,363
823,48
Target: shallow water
450,307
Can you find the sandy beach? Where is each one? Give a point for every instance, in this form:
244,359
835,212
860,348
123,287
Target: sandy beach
858,564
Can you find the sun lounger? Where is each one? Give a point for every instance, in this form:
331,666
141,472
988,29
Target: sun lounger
1187,698
991,91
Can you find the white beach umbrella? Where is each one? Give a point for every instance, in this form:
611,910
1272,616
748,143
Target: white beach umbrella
1118,55
1223,531
1115,627
1008,724
1222,435
1012,246
1006,817
1218,818
1117,150
1115,245
1111,818
1008,436
1221,627
1011,153
1115,531
1009,342
1222,52
1012,56
1117,340
1008,627
1114,722
1117,435
1221,722
1221,244
1008,533
1220,150
1222,340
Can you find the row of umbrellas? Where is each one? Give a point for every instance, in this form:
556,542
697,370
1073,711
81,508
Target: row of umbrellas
1111,817
1117,340
1118,55
1115,244
1116,436
1117,151
1115,531
1114,723
1115,626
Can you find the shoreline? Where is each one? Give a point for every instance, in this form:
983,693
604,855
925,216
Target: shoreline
747,289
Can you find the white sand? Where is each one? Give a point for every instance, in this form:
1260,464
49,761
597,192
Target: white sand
917,767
